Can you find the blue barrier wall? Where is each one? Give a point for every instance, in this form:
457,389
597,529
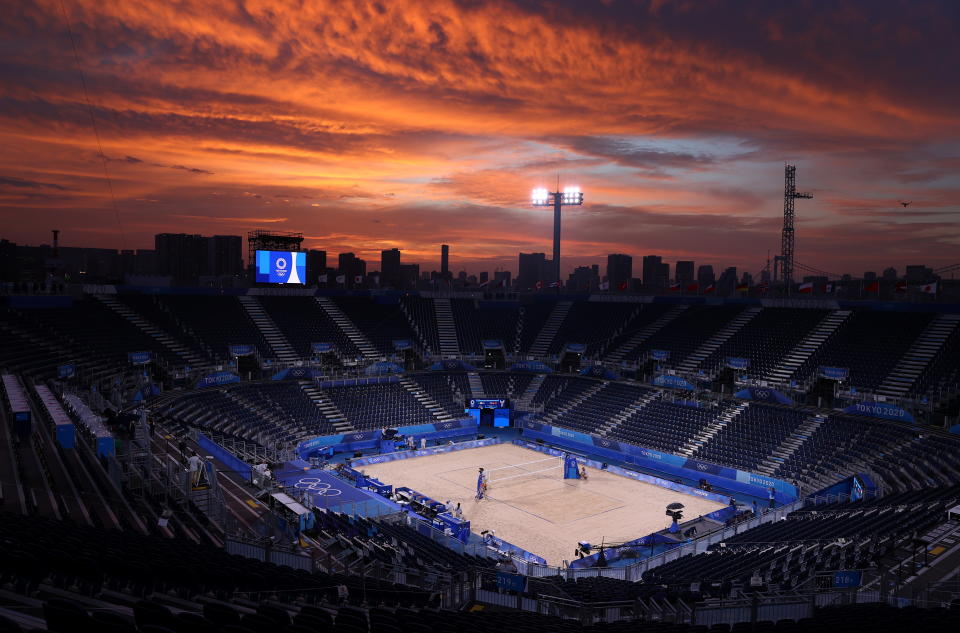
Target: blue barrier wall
231,461
366,440
718,476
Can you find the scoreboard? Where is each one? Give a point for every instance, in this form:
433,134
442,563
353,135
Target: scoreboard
281,267
488,403
493,411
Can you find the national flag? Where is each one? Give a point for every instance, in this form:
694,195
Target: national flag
709,289
674,287
358,279
538,285
322,278
901,286
807,287
743,287
873,287
693,287
341,279
604,285
929,288
623,286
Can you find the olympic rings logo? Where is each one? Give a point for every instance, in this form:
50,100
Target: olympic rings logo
317,486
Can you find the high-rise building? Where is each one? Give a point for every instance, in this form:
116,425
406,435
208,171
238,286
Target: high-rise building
727,281
586,278
531,270
444,261
225,256
651,270
619,270
502,278
408,276
350,266
484,277
918,274
186,257
890,274
316,265
870,275
390,275
705,276
663,275
181,256
684,273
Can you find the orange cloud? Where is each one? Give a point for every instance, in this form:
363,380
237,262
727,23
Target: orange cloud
404,123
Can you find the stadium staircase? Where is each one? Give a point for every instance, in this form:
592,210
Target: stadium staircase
541,344
646,332
691,362
425,399
329,410
791,443
361,342
525,401
690,448
476,385
281,347
806,348
556,415
921,353
446,331
626,413
151,329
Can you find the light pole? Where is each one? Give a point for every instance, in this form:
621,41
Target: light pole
570,196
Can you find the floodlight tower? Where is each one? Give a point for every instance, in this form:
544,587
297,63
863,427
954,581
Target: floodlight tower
570,196
790,194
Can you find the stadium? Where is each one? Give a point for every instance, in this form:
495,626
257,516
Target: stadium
650,463
487,316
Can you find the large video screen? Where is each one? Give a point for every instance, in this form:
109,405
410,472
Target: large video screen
281,267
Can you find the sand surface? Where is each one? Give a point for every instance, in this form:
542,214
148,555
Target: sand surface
542,512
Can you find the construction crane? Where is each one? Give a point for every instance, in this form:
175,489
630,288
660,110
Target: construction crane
790,193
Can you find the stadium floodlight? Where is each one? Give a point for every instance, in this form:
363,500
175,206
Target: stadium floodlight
543,198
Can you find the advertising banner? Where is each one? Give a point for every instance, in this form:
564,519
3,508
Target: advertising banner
217,378
881,410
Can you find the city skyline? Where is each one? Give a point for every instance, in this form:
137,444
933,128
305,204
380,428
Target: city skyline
404,126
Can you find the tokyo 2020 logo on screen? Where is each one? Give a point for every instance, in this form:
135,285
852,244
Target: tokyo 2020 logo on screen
281,267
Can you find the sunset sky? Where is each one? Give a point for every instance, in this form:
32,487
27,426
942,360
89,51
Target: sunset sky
411,123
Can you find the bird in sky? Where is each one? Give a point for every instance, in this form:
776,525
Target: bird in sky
905,204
